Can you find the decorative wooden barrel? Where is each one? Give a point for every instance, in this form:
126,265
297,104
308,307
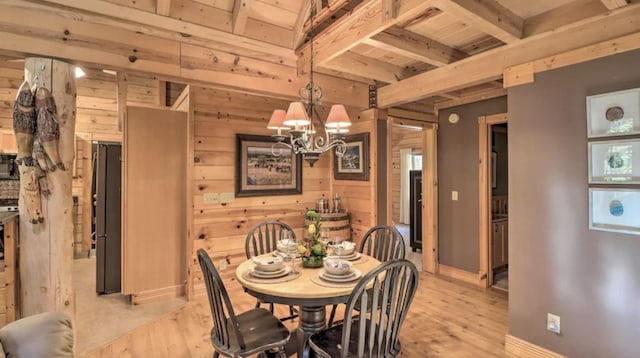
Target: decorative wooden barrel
337,224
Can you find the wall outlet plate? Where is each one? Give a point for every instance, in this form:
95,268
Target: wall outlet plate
454,195
227,197
553,323
210,198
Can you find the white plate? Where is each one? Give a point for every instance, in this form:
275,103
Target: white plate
351,257
348,278
273,274
331,275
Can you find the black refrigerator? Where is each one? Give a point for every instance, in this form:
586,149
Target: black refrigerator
107,183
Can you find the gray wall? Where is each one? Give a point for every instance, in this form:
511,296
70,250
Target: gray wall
556,264
458,170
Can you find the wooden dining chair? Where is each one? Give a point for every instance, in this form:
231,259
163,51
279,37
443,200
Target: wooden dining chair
383,243
393,286
250,332
263,239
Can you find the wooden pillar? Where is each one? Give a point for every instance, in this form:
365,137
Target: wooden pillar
46,249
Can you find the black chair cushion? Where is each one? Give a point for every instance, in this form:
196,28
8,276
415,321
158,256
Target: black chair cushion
258,327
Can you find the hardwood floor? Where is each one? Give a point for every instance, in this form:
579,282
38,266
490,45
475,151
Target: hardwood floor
447,319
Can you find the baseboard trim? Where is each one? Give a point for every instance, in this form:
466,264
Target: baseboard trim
461,275
522,348
157,294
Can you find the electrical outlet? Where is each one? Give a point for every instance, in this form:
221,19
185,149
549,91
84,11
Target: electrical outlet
227,197
454,195
223,265
210,198
553,323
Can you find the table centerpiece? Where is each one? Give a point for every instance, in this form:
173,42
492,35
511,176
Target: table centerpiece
312,249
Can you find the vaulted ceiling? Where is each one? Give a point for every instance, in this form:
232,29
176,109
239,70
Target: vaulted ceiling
417,53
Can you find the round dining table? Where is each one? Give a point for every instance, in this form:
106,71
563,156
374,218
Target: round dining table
307,292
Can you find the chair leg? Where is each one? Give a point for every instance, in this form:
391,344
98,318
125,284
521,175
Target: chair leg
216,354
271,307
282,353
257,304
332,315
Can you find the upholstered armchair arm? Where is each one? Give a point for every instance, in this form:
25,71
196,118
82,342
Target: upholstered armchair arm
45,335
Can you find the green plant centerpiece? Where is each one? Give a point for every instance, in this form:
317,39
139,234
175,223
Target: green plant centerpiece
311,248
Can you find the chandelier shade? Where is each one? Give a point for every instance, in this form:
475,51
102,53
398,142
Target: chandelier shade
277,120
296,115
338,117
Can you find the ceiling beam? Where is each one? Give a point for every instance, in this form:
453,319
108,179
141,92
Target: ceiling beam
298,33
364,22
157,25
323,14
488,16
163,7
614,4
63,34
415,46
489,65
562,15
356,64
241,9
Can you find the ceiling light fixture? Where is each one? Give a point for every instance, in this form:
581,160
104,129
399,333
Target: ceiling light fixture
300,117
79,72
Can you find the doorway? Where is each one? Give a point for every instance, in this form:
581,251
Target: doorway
494,200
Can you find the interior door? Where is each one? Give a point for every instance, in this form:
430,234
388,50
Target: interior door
154,210
415,192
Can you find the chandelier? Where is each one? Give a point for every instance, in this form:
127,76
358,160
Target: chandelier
307,134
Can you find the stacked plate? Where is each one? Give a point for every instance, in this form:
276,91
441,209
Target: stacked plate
285,270
351,275
351,257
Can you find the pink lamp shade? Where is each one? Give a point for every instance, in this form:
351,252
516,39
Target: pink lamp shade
277,120
338,119
296,115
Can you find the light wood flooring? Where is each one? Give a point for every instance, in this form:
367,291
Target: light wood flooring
447,319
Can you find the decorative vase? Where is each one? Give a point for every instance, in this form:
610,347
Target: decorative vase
312,261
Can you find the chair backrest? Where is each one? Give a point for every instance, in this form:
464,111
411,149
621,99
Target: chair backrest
386,293
383,243
221,308
263,237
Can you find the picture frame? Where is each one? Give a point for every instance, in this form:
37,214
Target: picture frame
613,113
615,210
260,173
354,164
614,162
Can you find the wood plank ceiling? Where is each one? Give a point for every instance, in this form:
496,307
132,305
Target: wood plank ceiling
399,46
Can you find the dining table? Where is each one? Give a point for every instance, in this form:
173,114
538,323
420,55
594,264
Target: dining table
303,287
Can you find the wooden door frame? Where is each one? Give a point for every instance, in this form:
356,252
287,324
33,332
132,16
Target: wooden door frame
429,186
484,192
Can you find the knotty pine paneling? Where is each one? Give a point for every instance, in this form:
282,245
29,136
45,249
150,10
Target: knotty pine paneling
359,197
221,229
402,138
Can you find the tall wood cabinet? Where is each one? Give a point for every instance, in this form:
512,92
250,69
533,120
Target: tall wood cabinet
499,243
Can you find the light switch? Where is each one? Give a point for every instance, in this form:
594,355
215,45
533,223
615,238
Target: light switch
227,198
210,198
454,195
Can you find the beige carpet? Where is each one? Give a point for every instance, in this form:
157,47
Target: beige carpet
102,318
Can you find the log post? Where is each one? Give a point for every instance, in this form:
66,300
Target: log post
46,249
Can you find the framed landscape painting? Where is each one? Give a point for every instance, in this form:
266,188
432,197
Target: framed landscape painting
354,164
259,172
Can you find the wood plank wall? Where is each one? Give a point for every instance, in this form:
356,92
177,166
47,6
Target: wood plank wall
222,229
96,119
359,197
402,138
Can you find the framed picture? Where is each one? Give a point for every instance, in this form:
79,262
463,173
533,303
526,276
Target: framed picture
259,172
614,113
616,210
614,162
354,164
494,172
